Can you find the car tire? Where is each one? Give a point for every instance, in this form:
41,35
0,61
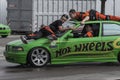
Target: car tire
38,57
4,36
119,57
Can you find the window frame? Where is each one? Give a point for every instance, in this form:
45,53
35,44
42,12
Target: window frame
103,29
99,29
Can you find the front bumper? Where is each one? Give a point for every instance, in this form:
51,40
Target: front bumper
5,32
16,57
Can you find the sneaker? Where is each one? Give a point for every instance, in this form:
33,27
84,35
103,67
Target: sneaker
23,39
52,37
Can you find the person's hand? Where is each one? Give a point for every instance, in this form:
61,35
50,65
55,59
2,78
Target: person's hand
71,28
83,22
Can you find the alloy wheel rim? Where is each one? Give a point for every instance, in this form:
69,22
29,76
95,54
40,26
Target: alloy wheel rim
39,56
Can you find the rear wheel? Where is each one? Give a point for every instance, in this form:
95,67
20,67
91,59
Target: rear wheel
4,36
119,57
38,57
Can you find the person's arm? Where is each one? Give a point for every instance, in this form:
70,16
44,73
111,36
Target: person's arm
87,14
85,19
64,29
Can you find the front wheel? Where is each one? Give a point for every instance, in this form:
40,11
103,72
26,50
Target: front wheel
38,57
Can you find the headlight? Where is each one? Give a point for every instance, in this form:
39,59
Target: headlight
17,48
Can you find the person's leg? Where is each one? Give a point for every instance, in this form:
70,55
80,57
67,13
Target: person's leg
49,30
27,37
32,36
107,17
23,39
52,34
100,16
114,18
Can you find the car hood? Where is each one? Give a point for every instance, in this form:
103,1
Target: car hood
30,42
39,41
15,43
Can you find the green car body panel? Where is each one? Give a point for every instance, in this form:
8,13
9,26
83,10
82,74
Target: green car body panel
69,49
4,30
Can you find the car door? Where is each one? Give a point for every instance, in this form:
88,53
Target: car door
111,37
75,47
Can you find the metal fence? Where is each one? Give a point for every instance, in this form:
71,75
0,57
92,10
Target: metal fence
112,7
46,11
53,9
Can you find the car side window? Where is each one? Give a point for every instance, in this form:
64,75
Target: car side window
91,29
111,29
95,29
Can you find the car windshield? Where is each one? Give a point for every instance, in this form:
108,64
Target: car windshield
67,24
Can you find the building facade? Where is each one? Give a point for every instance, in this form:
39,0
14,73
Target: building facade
112,7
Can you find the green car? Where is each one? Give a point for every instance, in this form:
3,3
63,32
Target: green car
4,31
104,46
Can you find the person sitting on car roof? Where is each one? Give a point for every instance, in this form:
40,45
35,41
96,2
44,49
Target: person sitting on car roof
50,31
91,15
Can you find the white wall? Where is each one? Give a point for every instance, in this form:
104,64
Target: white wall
98,5
117,8
3,12
109,10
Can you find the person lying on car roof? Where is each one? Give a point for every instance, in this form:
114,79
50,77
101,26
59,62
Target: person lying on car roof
91,15
48,31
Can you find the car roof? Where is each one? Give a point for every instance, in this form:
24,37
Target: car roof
99,21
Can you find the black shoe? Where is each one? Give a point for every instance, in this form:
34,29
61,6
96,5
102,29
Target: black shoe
52,37
55,38
23,39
